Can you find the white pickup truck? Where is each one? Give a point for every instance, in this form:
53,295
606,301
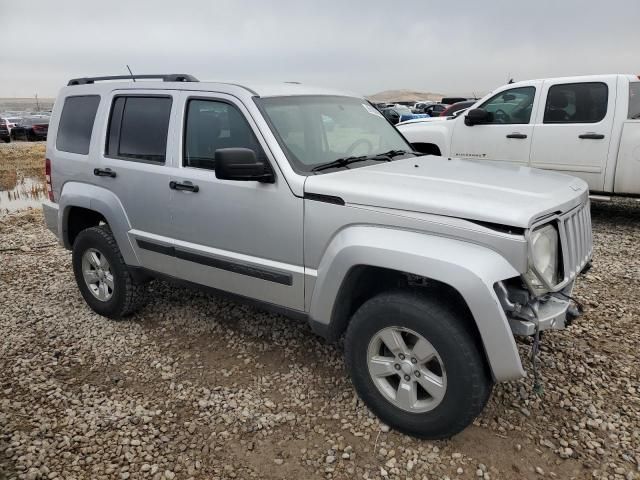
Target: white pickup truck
585,126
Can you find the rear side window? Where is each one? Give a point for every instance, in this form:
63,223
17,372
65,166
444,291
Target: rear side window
138,128
76,124
576,103
634,100
211,125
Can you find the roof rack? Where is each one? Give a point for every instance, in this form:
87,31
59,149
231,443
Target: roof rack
165,77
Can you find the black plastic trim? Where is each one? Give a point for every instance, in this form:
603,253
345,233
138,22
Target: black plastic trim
262,273
165,77
319,197
499,227
156,247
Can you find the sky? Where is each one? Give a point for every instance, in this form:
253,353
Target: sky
456,47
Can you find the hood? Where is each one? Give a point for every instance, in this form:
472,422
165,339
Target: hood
475,190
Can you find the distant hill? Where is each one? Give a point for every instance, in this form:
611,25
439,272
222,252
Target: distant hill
404,96
25,104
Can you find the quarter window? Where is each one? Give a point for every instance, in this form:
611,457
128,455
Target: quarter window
510,107
211,125
138,128
576,103
76,124
634,100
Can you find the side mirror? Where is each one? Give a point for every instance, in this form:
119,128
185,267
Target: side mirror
241,164
476,116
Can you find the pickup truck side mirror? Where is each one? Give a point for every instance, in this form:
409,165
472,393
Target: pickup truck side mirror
241,164
476,116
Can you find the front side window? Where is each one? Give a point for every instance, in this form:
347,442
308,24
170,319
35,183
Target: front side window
313,130
138,128
211,125
576,103
634,100
510,107
76,124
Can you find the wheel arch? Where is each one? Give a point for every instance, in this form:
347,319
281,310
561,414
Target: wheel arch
432,136
84,206
363,261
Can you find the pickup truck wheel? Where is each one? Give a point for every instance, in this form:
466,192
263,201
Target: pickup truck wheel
102,276
416,365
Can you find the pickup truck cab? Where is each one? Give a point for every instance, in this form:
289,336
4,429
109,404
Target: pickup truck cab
306,201
585,126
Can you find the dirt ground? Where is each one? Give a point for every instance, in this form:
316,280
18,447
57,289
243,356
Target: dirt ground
201,387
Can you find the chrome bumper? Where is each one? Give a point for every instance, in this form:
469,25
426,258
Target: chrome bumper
50,211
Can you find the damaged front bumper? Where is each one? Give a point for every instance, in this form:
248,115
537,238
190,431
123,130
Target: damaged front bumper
527,314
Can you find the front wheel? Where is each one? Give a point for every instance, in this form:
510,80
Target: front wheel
416,365
102,276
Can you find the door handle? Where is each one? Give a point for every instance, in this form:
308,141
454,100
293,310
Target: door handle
104,172
184,186
516,135
591,136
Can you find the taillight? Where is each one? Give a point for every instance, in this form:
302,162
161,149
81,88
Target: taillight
47,176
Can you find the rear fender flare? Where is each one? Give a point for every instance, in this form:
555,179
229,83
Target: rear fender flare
103,201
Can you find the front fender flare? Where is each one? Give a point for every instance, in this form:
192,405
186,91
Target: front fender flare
106,203
470,269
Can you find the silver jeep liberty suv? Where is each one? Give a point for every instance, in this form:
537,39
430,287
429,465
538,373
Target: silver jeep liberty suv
308,202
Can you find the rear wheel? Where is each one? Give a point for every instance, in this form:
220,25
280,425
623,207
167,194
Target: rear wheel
416,365
102,276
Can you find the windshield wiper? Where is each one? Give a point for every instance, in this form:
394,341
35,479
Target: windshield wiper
343,162
378,157
396,153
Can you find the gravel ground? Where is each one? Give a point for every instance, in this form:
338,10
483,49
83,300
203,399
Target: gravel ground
199,387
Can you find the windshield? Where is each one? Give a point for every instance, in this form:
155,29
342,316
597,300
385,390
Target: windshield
314,130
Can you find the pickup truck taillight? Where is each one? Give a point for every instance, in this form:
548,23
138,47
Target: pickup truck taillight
47,176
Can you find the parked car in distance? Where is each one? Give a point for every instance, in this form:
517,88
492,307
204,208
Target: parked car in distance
452,100
419,107
586,126
5,133
456,107
31,129
400,113
435,109
426,267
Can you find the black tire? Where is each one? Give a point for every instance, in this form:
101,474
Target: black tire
468,380
128,296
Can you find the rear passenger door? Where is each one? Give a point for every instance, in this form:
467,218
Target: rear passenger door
573,129
135,166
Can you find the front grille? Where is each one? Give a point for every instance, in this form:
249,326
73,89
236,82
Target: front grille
577,242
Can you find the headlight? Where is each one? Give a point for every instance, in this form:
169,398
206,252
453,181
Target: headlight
543,264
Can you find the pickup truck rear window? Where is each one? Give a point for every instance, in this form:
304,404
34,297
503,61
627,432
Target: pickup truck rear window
76,124
634,100
138,128
576,103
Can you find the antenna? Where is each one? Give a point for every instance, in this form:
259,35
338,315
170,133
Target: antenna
131,73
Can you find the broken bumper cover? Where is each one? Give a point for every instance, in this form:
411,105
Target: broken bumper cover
549,312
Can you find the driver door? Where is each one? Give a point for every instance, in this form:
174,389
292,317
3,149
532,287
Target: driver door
506,135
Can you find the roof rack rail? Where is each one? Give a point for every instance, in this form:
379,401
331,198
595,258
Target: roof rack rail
165,77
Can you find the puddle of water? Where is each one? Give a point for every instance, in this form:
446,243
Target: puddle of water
27,192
